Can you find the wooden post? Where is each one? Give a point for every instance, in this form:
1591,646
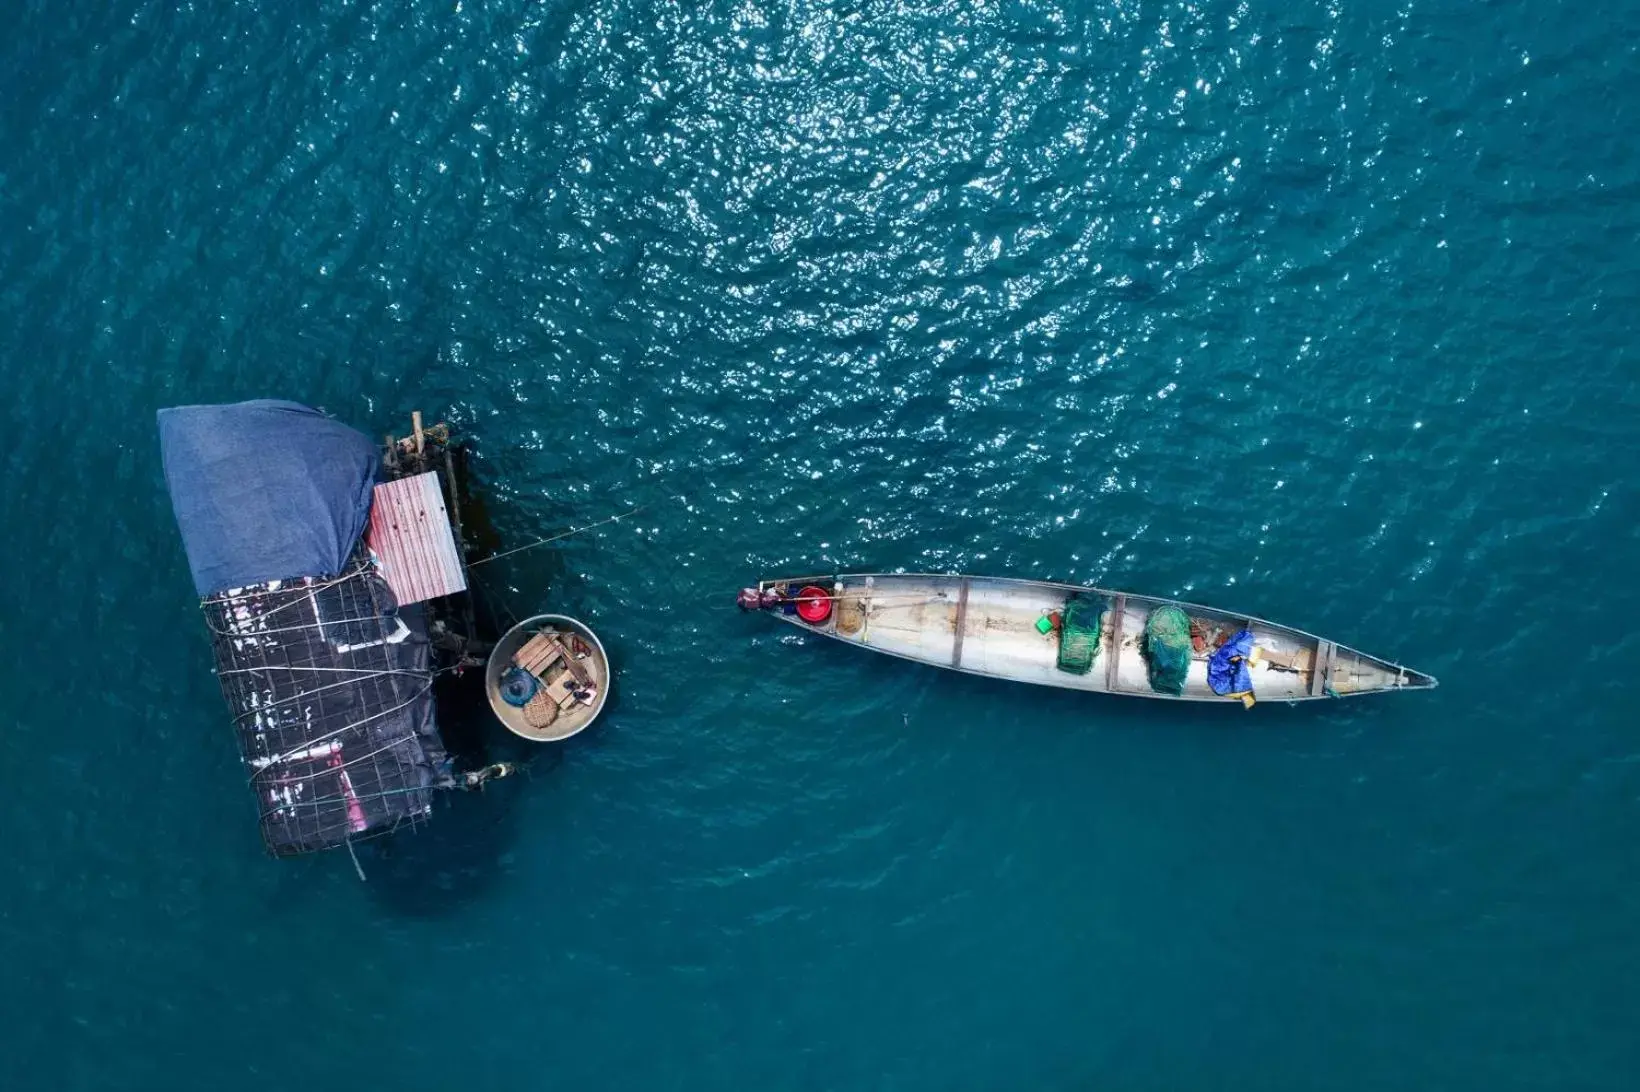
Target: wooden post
415,422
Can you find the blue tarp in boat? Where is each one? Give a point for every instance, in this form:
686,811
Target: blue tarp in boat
1227,669
265,490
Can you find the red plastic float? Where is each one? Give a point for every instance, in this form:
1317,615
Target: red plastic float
813,605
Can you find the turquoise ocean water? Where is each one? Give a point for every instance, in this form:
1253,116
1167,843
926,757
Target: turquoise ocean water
1323,312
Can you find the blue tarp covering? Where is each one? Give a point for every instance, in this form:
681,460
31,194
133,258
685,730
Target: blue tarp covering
265,490
1227,669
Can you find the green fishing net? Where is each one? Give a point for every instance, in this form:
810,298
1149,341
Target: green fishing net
1167,647
1079,635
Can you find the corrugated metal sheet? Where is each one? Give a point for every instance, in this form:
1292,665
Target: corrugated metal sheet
411,537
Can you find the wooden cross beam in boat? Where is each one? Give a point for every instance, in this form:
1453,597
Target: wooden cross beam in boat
960,622
1321,673
1118,610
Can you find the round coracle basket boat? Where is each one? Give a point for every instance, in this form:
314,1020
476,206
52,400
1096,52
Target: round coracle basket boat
547,678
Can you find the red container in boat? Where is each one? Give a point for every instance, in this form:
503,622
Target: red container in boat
813,605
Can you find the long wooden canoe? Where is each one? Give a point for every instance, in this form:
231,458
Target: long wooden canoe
994,626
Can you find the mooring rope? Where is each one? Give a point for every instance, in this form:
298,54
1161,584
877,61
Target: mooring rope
556,538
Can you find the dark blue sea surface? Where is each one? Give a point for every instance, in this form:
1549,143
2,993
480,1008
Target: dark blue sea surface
1321,312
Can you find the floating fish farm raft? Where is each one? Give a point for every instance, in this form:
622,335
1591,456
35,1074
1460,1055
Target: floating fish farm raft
333,581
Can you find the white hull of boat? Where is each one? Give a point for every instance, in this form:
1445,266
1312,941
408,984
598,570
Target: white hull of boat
989,626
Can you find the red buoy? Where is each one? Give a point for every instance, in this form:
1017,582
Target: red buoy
813,605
